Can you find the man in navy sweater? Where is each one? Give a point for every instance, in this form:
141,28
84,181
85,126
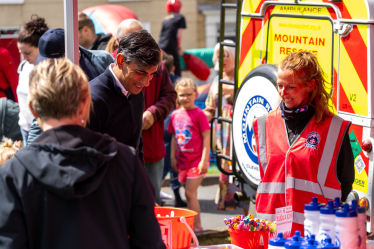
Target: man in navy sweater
118,101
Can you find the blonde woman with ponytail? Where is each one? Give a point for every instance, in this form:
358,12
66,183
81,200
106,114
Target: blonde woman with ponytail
303,149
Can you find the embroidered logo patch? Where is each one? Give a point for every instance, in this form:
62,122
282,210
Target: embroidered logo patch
312,139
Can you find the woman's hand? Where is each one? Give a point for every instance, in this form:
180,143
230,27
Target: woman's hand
227,90
209,113
203,167
174,163
17,144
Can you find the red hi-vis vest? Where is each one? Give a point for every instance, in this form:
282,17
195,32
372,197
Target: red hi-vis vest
292,174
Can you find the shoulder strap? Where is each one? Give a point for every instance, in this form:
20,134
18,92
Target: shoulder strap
2,115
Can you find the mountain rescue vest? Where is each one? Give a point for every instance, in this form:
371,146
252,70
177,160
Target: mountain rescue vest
292,174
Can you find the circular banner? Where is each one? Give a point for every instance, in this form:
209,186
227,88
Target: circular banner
256,97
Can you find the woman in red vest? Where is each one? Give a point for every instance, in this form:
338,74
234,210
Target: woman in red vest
304,149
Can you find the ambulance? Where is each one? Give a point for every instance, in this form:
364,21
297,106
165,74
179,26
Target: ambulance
339,33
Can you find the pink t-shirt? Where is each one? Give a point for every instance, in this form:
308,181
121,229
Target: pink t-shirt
188,126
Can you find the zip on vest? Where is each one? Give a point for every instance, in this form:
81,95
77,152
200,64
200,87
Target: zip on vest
290,146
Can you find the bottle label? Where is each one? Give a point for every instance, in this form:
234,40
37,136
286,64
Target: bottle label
323,236
337,241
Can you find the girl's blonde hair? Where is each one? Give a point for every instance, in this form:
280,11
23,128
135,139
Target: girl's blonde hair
7,150
306,67
111,45
57,88
186,82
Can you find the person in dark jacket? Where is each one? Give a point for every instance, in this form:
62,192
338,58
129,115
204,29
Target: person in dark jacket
117,94
171,32
159,100
73,188
87,36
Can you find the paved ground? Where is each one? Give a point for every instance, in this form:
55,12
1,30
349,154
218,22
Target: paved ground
211,217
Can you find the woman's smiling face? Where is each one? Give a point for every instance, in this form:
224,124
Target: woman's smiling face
292,89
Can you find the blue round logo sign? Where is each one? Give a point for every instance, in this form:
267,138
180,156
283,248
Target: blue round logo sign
257,106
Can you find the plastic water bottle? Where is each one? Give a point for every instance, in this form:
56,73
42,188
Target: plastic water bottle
361,219
346,226
327,222
311,222
309,245
278,242
293,244
328,245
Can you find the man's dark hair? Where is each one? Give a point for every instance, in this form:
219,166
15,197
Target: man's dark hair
140,48
84,20
168,61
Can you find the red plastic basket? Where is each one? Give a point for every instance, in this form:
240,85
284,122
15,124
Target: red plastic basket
249,239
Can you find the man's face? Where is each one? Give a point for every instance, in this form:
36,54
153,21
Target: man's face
82,37
135,78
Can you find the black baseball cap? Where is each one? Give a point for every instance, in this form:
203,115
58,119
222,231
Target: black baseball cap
51,45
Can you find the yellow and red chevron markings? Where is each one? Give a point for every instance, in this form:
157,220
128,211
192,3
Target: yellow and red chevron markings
353,62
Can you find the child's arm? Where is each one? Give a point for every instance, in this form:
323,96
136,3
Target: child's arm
204,163
173,154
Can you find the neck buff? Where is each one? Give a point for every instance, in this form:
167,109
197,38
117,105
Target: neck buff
289,113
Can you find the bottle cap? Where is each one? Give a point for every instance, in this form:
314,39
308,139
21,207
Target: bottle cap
298,235
313,206
355,206
337,202
278,241
312,237
293,244
327,244
328,209
309,245
345,212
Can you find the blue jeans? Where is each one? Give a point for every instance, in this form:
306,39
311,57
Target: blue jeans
174,182
25,135
154,171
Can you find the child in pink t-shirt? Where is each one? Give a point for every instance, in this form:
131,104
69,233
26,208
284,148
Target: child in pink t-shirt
190,144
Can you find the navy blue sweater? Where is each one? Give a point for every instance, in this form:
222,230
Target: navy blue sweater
115,114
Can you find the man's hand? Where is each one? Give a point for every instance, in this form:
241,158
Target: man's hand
203,167
174,165
148,120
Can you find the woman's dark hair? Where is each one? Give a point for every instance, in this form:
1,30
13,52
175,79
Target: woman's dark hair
33,30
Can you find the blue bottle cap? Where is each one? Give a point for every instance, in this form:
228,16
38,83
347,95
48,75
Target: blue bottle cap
309,245
345,212
313,206
327,244
312,237
278,241
337,202
360,209
293,244
298,235
328,209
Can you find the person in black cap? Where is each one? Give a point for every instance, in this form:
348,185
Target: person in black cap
52,45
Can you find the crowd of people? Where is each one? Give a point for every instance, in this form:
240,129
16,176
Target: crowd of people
99,138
